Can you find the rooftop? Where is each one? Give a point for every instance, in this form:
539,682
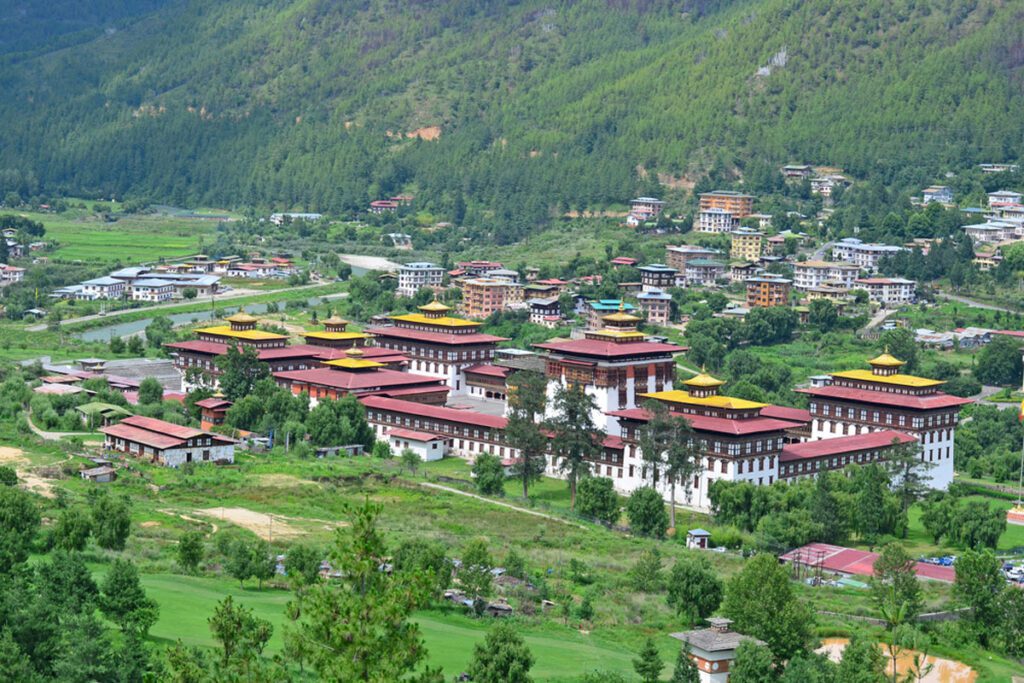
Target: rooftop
252,335
842,444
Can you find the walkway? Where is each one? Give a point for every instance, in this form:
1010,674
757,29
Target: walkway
52,436
499,503
974,304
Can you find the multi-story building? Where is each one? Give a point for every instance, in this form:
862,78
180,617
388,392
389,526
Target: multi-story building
482,296
939,194
436,343
702,272
546,312
747,244
882,398
103,288
999,168
412,277
657,277
716,220
812,274
656,306
1003,198
10,273
476,268
739,440
677,256
763,292
615,365
738,204
862,254
888,291
797,171
646,208
152,290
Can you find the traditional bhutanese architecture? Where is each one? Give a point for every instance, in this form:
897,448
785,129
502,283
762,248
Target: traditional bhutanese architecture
166,443
487,381
740,440
713,649
883,398
335,336
437,344
808,458
615,365
241,329
359,376
213,410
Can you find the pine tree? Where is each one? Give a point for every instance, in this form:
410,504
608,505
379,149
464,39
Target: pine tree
648,664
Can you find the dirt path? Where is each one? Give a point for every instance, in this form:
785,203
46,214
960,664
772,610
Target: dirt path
15,457
499,503
213,525
51,436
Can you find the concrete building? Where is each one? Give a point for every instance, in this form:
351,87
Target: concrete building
152,290
597,310
713,649
747,244
103,288
429,447
939,194
676,256
483,296
862,254
656,306
888,291
546,312
763,292
738,204
1003,198
241,329
703,272
797,171
715,220
657,277
812,274
412,277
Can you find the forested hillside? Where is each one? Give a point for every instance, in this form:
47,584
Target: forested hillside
533,106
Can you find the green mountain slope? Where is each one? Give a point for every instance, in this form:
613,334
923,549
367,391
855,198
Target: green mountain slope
539,105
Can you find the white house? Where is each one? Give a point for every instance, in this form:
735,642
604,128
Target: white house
714,649
412,277
152,290
102,288
428,446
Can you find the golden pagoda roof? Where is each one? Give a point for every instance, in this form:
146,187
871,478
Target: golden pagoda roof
886,360
349,363
716,401
897,379
355,353
435,306
334,320
334,336
252,335
242,317
443,321
617,334
703,380
621,317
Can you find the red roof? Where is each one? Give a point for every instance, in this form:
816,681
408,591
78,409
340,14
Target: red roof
926,402
551,281
434,337
161,427
787,413
834,558
213,403
614,442
142,436
470,417
490,370
721,425
603,349
842,444
196,346
623,261
414,435
356,381
133,396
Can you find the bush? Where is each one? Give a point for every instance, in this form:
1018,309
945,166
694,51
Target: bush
596,499
490,475
727,537
646,512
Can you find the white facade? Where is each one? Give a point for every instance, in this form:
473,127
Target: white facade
895,291
412,277
152,290
428,450
812,274
862,254
102,288
716,221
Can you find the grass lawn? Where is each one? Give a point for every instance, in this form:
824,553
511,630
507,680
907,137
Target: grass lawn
130,239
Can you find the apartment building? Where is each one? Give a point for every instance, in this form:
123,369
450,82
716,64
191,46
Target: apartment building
813,274
412,277
747,244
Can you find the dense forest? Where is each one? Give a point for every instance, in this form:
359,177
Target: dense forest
496,113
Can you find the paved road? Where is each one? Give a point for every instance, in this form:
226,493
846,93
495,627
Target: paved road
971,302
52,436
235,294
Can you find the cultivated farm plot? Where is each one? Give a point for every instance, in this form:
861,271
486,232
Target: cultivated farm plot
129,239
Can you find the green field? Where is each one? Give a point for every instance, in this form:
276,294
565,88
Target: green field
83,236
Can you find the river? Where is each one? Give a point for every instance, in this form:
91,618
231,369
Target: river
127,329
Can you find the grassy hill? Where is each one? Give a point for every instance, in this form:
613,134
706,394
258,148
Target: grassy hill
501,112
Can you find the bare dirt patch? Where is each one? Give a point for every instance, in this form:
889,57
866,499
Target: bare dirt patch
425,133
15,457
283,481
149,525
264,526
